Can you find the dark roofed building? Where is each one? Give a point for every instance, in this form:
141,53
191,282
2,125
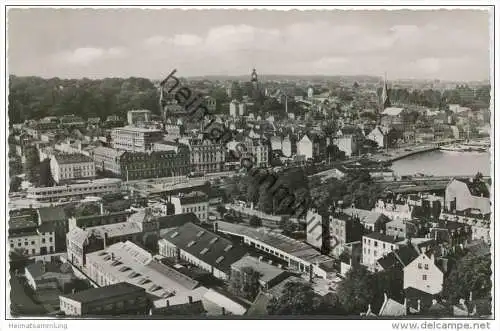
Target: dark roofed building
120,298
58,219
203,248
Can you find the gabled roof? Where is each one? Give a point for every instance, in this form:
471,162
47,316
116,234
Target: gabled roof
205,245
392,111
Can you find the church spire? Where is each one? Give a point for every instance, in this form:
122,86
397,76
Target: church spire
385,102
254,76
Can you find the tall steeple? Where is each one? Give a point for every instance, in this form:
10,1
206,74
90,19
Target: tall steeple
385,102
254,76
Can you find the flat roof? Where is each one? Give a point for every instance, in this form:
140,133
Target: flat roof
268,272
137,129
117,229
274,239
129,263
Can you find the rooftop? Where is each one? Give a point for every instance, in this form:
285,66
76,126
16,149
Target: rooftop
127,262
205,245
137,129
268,272
117,229
52,214
105,292
193,197
272,238
72,158
382,237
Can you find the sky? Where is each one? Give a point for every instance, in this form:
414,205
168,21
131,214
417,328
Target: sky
98,43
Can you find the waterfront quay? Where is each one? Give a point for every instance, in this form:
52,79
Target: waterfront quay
402,152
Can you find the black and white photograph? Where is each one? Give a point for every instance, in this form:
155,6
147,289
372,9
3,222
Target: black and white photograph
249,163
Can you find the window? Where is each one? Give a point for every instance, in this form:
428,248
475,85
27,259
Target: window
426,267
32,242
43,240
11,245
50,239
375,243
374,253
420,265
424,277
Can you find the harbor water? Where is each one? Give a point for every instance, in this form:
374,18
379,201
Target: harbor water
444,163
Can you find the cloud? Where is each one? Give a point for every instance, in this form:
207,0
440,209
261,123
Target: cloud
177,40
87,55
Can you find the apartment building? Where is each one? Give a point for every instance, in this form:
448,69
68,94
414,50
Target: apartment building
135,139
66,167
195,202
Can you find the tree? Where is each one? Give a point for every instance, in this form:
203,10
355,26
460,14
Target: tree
45,174
286,225
388,282
15,184
32,163
221,210
245,283
297,298
334,153
471,273
357,290
255,221
87,209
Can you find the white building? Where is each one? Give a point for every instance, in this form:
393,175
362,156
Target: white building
135,139
458,197
423,274
259,150
300,256
234,108
27,238
66,167
138,116
98,187
242,109
305,147
287,147
378,135
127,262
195,202
394,211
202,248
347,143
375,246
310,93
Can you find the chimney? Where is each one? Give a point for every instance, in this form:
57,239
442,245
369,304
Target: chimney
216,227
223,311
73,291
418,305
434,302
101,205
404,305
260,258
112,256
190,298
150,311
310,273
470,296
168,303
